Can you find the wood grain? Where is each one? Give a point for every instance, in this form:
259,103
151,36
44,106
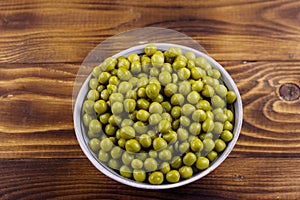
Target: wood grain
42,46
78,179
65,31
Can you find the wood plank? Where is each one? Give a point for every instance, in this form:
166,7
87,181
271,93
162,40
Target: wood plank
36,101
236,178
64,31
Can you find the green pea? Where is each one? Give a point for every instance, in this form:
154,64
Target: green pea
93,83
124,87
175,78
184,88
167,67
190,55
100,88
228,126
152,90
195,128
114,164
184,73
109,64
129,105
93,95
140,127
221,90
143,104
117,108
202,163
217,102
197,73
132,145
184,121
209,115
103,156
104,77
178,64
100,106
230,97
196,145
173,176
218,128
185,172
191,64
115,120
150,164
124,74
139,175
208,144
106,144
156,178
170,137
193,97
164,126
94,144
204,105
87,119
177,99
229,115
142,115
157,60
110,130
199,115
165,155
88,107
226,136
212,155
141,93
183,134
104,95
166,106
165,167
96,71
159,143
116,152
95,126
127,158
145,140
165,77
127,132
176,162
155,107
125,171
184,147
208,125
137,164
187,109
197,86
150,49
170,89
189,159
131,94
176,112
121,142
208,91
116,97
154,119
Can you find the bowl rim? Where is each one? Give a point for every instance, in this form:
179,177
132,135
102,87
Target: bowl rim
238,109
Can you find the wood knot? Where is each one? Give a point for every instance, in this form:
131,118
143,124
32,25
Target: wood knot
289,91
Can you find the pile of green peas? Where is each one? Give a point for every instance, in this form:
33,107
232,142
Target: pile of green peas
158,117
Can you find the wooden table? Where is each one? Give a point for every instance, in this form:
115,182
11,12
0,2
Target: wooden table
42,45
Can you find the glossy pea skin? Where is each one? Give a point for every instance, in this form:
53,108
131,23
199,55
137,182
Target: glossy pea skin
95,126
88,107
125,171
197,73
137,164
106,144
184,88
93,83
159,143
176,112
157,59
142,104
204,105
152,90
94,144
173,176
228,126
196,145
139,175
164,126
199,115
182,134
117,108
165,155
185,172
208,125
116,152
202,163
127,158
230,97
166,106
208,144
145,140
155,107
129,105
187,109
212,155
142,115
110,130
195,128
184,74
226,136
193,97
165,78
127,132
170,89
87,119
184,121
114,164
140,127
189,159
156,178
217,102
103,156
177,99
220,145
150,49
132,145
184,147
154,119
150,164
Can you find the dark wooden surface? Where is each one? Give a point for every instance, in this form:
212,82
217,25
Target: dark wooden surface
42,44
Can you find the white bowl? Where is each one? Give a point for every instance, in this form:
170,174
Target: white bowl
83,140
